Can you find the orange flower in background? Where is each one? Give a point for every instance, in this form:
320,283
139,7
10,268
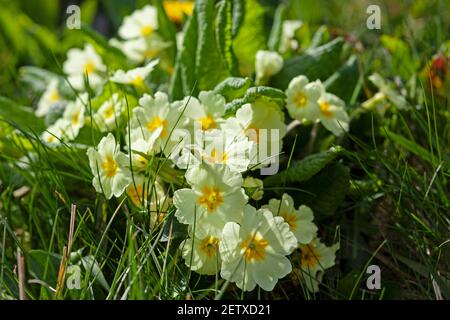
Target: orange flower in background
438,71
176,9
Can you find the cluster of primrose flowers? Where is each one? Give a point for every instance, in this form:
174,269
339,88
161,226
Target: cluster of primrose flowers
227,235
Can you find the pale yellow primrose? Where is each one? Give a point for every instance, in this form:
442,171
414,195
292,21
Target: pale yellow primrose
300,220
201,252
254,252
315,258
141,23
84,63
215,198
110,167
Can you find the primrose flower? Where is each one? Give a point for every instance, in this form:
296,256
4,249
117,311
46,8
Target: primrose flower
136,76
81,64
140,152
387,90
56,132
288,29
299,221
332,113
153,120
141,23
201,252
50,97
206,111
141,49
108,115
263,123
218,147
254,253
301,99
110,167
268,63
215,198
315,258
74,114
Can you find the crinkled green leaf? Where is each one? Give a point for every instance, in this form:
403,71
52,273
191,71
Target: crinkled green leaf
224,35
252,36
304,169
256,93
327,190
233,87
318,63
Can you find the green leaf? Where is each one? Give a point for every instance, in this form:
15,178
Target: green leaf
251,36
200,60
88,10
210,67
304,169
184,77
327,189
254,94
412,146
343,82
91,265
224,35
238,16
43,265
277,28
20,115
318,63
233,87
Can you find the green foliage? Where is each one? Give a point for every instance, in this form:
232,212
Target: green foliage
304,169
317,63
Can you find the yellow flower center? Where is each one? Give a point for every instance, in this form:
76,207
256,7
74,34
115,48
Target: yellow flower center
146,30
218,157
54,96
50,138
138,81
291,219
309,256
157,122
150,53
209,246
211,198
110,166
254,248
109,112
325,109
300,100
207,123
135,193
89,67
76,118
